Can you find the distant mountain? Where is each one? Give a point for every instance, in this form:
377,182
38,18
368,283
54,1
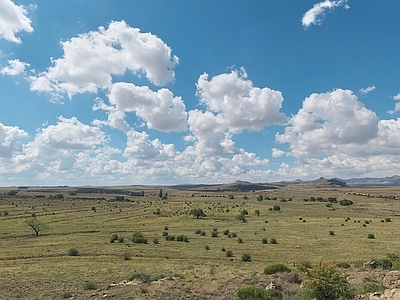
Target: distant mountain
322,183
386,181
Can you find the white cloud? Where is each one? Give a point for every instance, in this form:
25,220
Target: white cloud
396,97
367,89
317,13
13,19
70,134
9,136
15,67
160,110
238,104
328,122
277,152
90,60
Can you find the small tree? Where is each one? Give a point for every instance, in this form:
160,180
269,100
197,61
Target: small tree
160,194
197,212
37,226
241,217
257,212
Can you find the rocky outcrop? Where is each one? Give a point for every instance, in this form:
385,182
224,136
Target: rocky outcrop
392,282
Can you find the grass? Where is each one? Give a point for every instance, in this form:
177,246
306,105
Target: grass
74,225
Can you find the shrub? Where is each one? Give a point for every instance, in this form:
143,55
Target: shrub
264,241
197,231
345,202
202,233
73,252
207,247
226,232
324,281
138,238
182,238
331,232
276,268
90,285
260,198
234,234
240,241
273,241
256,293
257,212
229,253
276,208
127,256
245,197
165,233
371,236
170,238
371,287
231,197
114,237
140,276
246,257
121,240
214,233
155,241
241,217
387,220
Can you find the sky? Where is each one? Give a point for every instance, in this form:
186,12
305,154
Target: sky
185,92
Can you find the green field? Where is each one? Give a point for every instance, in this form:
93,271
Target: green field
307,228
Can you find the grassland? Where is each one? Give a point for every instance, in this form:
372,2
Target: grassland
306,231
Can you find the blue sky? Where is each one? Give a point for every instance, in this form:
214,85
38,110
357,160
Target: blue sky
170,92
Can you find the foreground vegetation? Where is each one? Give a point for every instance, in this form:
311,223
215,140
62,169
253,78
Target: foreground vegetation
59,243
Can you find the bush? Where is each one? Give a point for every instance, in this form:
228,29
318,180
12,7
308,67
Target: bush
138,238
207,247
345,202
276,268
276,208
264,241
121,240
324,281
182,238
273,241
214,233
73,252
90,285
155,241
202,233
246,257
170,238
226,232
114,237
371,236
197,231
257,293
127,256
229,253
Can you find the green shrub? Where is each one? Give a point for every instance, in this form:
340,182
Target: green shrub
170,238
203,233
73,252
264,241
257,293
276,208
121,239
127,256
229,253
388,220
345,202
90,285
371,287
325,281
207,247
182,238
371,236
276,268
234,234
273,241
197,231
138,238
240,241
246,257
214,233
226,232
155,241
331,232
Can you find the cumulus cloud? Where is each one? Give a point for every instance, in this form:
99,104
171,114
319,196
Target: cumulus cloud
237,103
90,60
9,140
71,134
367,89
277,152
160,110
317,13
328,121
15,67
13,20
396,97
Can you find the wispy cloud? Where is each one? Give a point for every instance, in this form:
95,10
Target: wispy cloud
317,13
367,90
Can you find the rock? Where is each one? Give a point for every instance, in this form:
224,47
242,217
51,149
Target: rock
391,294
273,287
392,280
